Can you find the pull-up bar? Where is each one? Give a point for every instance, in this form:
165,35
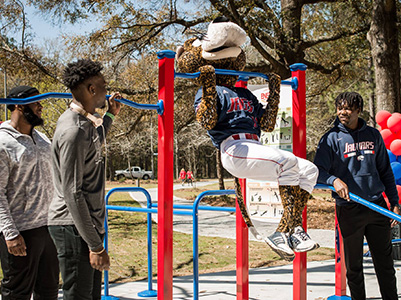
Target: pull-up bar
366,203
159,107
243,75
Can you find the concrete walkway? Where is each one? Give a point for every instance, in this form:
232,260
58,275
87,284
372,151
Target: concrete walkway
273,283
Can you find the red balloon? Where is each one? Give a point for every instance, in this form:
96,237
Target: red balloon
388,137
394,123
382,117
395,147
386,199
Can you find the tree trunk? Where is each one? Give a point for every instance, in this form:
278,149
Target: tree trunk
383,38
177,172
219,167
372,107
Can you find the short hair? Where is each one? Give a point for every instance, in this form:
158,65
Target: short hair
77,72
352,99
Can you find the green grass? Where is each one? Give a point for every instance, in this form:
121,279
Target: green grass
128,243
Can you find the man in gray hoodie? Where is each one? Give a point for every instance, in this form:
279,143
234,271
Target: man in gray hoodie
77,212
28,255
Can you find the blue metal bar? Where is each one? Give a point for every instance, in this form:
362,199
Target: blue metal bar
394,241
149,292
293,83
195,246
130,208
366,203
149,210
210,208
159,107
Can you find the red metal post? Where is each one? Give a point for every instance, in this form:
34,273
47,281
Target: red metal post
242,251
242,236
299,149
341,282
165,177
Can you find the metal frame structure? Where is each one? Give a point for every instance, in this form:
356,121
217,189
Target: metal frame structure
165,109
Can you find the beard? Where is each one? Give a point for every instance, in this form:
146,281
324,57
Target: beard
31,118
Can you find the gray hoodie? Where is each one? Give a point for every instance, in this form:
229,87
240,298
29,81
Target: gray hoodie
26,186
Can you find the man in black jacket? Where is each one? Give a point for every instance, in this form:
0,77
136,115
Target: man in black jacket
352,157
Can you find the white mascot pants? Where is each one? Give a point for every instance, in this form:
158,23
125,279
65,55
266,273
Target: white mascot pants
246,157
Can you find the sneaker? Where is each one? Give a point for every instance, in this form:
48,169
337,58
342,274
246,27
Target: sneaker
300,241
278,241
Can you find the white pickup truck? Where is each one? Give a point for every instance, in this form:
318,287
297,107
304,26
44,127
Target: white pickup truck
136,172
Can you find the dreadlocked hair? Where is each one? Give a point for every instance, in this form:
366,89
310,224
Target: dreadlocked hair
352,99
77,72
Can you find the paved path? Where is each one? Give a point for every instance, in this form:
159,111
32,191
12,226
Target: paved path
273,283
222,224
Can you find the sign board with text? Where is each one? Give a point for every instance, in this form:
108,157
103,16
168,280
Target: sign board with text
263,198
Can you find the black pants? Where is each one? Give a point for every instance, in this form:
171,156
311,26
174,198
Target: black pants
357,221
80,280
36,273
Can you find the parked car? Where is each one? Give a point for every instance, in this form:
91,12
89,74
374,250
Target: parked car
136,172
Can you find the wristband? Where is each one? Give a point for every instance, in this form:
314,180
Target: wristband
99,252
110,115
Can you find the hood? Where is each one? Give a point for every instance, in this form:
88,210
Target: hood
7,128
342,128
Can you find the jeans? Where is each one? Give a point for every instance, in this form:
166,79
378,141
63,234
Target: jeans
80,280
36,273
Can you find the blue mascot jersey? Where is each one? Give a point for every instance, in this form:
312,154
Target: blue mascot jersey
239,111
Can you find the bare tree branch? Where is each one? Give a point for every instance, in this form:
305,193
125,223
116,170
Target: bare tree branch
307,44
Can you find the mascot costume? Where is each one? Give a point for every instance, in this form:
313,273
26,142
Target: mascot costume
234,118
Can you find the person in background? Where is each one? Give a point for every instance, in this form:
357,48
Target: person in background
183,175
77,212
190,177
27,253
352,158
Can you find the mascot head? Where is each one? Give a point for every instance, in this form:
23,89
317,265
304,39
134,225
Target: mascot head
220,48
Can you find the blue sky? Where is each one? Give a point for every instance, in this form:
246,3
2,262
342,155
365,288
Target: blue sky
44,29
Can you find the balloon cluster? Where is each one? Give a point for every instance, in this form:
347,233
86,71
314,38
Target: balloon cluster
390,129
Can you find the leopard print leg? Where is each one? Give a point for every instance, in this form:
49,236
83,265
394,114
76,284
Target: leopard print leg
289,195
299,205
241,204
268,120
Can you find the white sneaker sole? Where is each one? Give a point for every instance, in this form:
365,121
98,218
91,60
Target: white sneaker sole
306,249
283,254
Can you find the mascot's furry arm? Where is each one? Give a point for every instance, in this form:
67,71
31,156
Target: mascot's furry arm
206,112
189,59
268,120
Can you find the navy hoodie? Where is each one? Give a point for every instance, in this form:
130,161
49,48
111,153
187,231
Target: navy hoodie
359,158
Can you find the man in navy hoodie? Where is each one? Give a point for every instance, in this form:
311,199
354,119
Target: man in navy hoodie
352,157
